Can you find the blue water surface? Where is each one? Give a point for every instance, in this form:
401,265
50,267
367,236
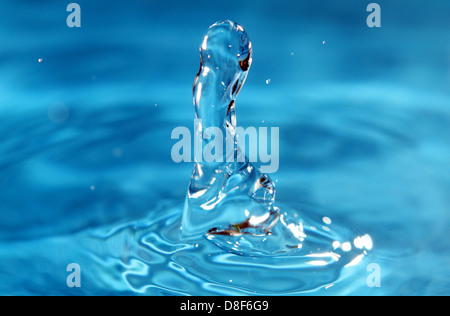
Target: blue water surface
86,116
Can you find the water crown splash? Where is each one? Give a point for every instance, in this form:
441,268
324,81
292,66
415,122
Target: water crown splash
229,201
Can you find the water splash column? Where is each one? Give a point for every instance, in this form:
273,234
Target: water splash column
221,192
225,59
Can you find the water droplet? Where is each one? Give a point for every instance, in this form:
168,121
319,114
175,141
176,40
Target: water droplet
117,152
58,113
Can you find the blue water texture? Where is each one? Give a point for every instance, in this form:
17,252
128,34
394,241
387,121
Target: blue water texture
86,115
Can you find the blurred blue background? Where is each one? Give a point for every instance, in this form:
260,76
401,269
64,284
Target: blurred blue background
363,114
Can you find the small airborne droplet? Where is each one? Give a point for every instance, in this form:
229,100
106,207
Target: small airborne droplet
58,113
92,187
117,152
